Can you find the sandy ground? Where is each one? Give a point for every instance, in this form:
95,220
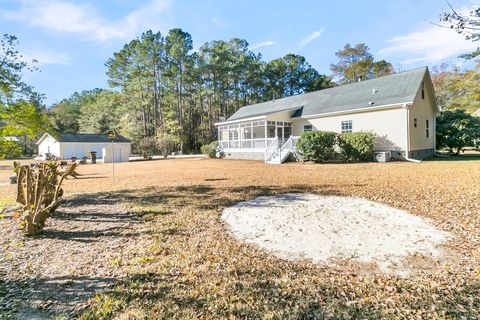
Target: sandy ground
297,226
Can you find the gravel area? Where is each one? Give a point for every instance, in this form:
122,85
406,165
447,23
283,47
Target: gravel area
75,257
297,226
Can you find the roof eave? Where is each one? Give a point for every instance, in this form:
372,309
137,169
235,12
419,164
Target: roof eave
43,137
241,120
263,116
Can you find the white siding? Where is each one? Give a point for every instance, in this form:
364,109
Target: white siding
80,150
422,110
281,116
122,152
390,125
49,145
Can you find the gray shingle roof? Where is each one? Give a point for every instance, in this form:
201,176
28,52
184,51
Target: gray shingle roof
396,88
87,137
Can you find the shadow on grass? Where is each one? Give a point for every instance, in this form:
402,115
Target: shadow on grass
43,298
460,157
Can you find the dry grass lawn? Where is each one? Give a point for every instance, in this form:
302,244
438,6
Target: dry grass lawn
188,266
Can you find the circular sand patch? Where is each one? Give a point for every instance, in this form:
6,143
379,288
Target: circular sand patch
296,226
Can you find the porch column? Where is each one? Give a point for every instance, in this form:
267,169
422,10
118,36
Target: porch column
266,136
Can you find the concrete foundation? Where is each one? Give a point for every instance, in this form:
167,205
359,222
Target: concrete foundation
245,155
421,154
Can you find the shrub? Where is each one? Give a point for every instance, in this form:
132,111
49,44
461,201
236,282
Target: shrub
210,149
456,130
317,146
357,146
147,147
39,192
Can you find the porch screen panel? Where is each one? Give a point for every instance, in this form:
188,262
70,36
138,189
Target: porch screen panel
259,132
271,129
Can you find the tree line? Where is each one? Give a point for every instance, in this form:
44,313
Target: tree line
162,92
165,95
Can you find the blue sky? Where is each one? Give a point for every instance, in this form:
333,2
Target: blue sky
73,39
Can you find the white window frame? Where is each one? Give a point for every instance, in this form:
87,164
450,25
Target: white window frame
347,126
307,128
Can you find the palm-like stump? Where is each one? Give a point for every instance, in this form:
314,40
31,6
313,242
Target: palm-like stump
39,192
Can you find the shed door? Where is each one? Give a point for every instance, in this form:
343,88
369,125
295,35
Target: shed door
118,154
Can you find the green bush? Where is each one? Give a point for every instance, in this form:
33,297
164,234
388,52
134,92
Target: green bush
317,146
210,149
456,130
147,147
356,146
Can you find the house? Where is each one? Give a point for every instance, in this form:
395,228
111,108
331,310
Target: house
400,109
79,145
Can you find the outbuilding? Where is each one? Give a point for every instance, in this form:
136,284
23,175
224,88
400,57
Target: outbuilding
79,145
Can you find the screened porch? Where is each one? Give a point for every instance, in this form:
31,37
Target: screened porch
252,135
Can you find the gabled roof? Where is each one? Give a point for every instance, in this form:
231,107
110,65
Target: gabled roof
394,89
84,137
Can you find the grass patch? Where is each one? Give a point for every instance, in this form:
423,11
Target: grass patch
188,266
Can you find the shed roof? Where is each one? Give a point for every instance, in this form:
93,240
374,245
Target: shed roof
88,137
387,90
83,137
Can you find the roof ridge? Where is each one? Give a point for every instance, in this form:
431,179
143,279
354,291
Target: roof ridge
397,87
339,86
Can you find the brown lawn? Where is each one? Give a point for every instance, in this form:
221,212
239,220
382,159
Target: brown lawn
188,266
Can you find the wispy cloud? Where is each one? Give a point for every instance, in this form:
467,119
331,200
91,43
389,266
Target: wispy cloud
84,19
262,44
44,57
308,39
429,44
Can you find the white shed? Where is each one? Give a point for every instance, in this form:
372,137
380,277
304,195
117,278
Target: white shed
79,145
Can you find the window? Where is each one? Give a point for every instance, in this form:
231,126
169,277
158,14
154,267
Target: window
287,132
271,131
423,91
347,126
427,129
415,122
307,127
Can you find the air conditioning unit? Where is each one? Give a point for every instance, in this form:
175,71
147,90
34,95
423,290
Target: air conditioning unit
383,156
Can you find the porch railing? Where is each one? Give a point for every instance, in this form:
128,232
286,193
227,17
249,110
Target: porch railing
244,144
271,150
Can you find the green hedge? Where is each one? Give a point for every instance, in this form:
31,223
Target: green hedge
317,146
210,149
356,146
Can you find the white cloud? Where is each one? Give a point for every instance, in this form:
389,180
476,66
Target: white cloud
430,44
68,17
44,57
312,36
259,45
